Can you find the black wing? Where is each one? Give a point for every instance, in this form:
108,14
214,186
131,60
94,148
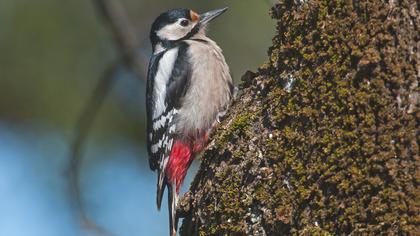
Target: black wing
150,105
162,129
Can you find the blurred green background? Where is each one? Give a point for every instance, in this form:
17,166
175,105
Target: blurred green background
52,55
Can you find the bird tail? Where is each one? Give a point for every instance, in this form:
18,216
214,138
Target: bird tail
160,188
172,175
172,204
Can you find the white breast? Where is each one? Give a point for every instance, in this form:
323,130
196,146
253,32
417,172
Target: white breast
209,92
163,74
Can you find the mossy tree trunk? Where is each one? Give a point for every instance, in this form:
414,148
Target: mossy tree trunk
324,138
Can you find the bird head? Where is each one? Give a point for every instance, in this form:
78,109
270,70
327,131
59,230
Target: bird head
180,24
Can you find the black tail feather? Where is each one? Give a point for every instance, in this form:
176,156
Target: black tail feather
161,185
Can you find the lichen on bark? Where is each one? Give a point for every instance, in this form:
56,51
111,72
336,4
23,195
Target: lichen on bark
324,138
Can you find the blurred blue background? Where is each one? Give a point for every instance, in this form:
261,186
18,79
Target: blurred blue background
52,55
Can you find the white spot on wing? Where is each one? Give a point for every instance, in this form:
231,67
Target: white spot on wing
155,147
172,129
160,122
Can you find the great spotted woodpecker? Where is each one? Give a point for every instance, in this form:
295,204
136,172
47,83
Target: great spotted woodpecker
188,87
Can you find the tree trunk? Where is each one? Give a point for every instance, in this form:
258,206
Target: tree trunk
324,138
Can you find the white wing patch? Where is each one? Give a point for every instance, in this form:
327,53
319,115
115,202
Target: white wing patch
164,71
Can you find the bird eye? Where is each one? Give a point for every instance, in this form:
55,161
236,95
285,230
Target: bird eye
184,23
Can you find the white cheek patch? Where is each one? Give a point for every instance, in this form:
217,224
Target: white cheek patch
174,31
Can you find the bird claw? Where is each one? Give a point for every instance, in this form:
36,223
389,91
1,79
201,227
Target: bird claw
221,115
235,92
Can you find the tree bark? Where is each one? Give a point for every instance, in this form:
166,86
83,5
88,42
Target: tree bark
324,138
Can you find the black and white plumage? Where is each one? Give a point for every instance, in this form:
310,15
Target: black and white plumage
169,84
188,87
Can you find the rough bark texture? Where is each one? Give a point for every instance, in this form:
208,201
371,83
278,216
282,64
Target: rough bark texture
324,138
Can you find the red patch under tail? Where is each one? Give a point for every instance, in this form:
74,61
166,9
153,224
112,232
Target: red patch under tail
179,161
200,143
182,154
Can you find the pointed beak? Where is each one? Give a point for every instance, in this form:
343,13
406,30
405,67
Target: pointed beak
210,15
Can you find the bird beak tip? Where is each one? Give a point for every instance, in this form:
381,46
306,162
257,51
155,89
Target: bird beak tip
210,15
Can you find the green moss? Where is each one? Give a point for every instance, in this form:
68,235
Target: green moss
337,153
239,127
314,231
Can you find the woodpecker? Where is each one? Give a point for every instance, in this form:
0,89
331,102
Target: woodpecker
188,88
